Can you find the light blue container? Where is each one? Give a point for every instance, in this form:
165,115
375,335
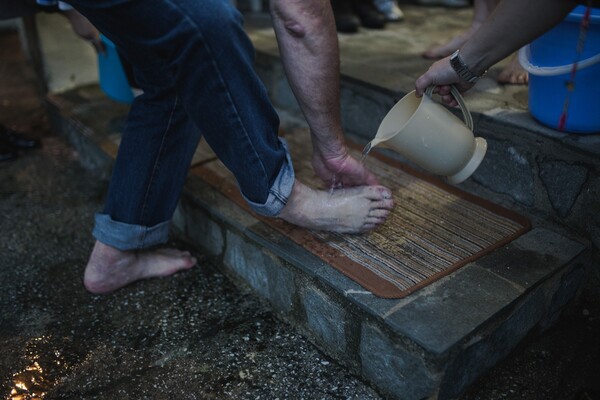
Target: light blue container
113,80
549,60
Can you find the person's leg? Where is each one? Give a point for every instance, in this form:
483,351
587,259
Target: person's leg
158,137
202,51
368,14
157,145
390,9
513,73
481,10
346,20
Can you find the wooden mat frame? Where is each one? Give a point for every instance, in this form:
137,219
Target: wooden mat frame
357,272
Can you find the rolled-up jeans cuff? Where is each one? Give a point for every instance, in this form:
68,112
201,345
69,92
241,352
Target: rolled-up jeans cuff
280,190
127,236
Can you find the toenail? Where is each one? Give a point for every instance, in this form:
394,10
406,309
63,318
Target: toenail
387,195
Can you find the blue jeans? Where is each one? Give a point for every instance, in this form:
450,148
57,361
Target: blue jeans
194,62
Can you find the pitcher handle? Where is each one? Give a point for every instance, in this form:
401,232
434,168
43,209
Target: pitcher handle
461,103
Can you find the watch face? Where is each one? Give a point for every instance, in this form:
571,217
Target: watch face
461,69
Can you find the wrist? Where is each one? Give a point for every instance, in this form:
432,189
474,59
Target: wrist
328,145
467,68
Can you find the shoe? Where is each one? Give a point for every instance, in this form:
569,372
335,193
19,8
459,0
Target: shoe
17,140
445,3
369,16
389,9
7,152
345,19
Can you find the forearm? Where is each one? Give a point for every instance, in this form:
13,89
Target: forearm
513,24
309,50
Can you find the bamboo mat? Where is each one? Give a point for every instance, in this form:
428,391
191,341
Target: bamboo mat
433,230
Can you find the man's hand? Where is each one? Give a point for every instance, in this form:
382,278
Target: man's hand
341,170
442,75
84,29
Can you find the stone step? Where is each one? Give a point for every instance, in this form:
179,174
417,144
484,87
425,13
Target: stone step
543,173
431,344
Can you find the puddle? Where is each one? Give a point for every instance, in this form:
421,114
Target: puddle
45,365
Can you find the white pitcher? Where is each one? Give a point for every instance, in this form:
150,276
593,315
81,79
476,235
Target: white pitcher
429,135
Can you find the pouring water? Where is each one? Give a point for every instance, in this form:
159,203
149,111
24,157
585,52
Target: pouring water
429,135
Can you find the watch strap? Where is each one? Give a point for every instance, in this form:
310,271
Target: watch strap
462,70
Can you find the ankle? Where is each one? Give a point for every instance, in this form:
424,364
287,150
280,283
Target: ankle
104,254
290,210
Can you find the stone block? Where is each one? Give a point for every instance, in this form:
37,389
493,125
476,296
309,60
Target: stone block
282,246
264,272
202,231
532,257
326,319
179,220
569,284
544,241
278,87
91,155
283,96
563,182
362,114
482,352
471,295
313,266
506,170
398,373
593,229
220,208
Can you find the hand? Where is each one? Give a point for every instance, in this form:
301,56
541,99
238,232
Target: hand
85,30
341,170
442,75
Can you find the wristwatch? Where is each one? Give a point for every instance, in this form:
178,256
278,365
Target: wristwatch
461,69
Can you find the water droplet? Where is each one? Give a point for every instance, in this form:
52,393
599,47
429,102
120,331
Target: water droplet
333,185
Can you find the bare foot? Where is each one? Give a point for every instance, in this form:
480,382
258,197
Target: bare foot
440,51
109,269
513,73
350,210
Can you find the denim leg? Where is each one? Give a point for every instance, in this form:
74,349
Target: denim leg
199,51
156,149
232,108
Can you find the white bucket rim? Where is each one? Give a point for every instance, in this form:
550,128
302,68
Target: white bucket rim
578,12
525,61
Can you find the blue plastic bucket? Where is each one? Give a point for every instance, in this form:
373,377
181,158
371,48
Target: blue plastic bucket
113,80
549,60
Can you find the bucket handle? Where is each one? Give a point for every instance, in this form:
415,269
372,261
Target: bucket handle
461,103
525,61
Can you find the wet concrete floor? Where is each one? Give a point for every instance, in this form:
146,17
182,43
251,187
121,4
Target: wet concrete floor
191,336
